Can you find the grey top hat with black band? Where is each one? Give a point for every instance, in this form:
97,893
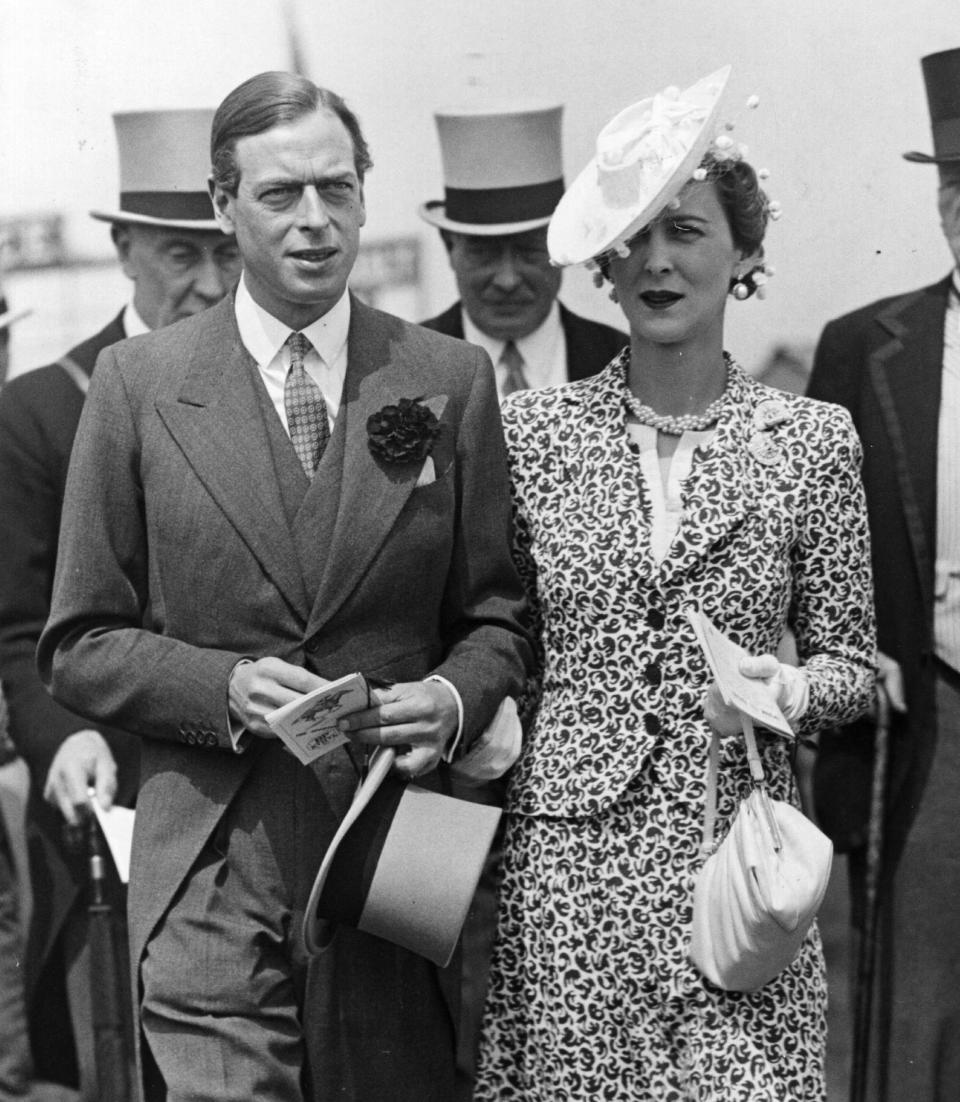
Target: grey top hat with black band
502,168
403,865
941,75
164,164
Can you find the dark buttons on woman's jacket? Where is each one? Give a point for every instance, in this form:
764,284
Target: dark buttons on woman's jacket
652,674
656,619
651,723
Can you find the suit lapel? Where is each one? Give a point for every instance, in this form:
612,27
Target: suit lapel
217,422
362,508
906,375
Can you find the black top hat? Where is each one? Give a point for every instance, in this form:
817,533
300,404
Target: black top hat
941,74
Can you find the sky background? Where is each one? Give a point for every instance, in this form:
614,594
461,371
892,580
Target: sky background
840,87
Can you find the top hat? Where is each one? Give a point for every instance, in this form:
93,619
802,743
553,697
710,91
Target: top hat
941,74
403,865
164,164
644,157
502,169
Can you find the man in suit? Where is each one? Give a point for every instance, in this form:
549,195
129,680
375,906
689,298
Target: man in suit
233,537
179,263
895,364
503,175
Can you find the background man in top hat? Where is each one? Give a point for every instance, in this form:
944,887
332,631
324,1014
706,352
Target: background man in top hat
180,263
503,175
895,364
234,534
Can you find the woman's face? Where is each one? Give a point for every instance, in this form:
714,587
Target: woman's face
673,286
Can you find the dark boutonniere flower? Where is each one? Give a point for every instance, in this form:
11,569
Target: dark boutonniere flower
403,433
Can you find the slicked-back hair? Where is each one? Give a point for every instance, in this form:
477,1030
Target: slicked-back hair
268,100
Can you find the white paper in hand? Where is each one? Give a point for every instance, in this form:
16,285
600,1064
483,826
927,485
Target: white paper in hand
749,695
117,827
308,726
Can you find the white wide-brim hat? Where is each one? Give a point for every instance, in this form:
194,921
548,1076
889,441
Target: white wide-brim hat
645,155
164,166
403,865
502,168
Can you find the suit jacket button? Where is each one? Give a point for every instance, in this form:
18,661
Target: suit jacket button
655,619
312,645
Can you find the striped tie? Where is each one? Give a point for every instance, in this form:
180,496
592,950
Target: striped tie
512,360
307,419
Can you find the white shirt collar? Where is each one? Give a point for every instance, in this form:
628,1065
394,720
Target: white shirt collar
263,335
536,347
133,324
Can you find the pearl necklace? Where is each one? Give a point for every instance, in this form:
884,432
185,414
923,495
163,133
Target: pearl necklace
671,425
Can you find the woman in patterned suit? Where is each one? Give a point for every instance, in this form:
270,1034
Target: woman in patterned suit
669,479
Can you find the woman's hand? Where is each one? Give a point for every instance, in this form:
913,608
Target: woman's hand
787,685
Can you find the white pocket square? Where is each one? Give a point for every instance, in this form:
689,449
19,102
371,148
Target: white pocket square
428,473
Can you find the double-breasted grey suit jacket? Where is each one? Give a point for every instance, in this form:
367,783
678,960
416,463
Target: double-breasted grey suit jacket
884,363
181,553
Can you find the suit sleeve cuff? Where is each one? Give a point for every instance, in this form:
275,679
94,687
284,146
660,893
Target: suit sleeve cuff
454,741
239,735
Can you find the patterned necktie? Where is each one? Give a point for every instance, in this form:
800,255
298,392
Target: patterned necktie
512,360
306,410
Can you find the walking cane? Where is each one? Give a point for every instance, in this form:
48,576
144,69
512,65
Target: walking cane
867,955
106,991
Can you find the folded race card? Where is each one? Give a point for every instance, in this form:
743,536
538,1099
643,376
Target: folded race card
749,695
308,726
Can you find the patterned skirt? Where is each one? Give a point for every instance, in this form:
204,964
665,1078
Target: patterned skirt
591,994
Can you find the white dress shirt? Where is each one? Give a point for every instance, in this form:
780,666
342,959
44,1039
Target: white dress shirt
544,351
946,605
133,324
265,338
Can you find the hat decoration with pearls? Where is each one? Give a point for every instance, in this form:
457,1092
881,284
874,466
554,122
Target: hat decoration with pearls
644,157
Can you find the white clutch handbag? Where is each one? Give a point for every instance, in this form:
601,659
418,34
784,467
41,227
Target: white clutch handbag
760,889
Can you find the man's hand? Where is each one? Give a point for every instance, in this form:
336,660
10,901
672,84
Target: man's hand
83,761
891,676
256,688
415,717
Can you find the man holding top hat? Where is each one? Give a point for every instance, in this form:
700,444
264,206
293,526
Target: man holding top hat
503,176
180,263
895,364
288,489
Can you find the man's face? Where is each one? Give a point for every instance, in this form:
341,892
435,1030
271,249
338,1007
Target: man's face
506,283
948,202
176,273
297,215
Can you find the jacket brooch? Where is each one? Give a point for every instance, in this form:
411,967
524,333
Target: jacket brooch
402,433
769,413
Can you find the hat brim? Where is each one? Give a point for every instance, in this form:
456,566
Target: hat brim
435,212
931,159
584,226
204,225
10,316
423,879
